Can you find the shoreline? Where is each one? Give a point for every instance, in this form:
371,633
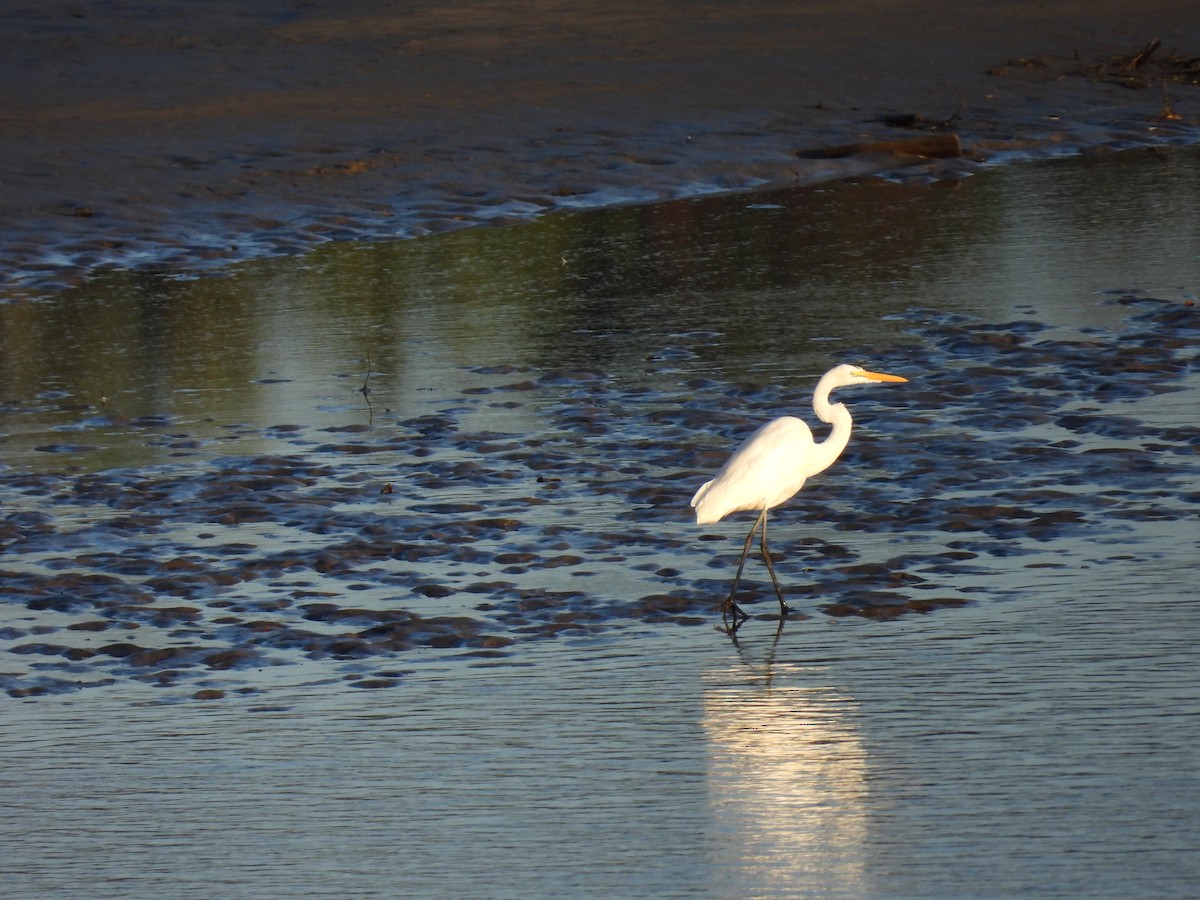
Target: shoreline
178,143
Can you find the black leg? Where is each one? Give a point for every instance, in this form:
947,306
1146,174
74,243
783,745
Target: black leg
730,607
784,609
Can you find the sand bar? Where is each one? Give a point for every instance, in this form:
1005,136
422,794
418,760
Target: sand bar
175,136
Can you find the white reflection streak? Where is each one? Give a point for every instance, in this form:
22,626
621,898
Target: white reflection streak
786,782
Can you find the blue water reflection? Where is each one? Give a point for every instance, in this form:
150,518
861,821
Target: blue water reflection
1038,737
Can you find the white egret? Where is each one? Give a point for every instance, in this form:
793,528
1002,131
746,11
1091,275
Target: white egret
773,464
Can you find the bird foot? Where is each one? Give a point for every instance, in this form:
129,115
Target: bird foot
730,610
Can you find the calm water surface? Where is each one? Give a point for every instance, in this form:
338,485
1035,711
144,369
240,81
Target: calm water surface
1035,734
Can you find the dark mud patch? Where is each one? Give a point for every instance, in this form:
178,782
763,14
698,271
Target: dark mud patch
140,156
1014,449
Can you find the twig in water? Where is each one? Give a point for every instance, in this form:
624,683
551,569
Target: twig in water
365,390
1168,113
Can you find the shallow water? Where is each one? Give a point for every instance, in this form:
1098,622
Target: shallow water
768,287
457,632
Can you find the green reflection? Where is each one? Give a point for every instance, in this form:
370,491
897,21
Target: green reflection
760,287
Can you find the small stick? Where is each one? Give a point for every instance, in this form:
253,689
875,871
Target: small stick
365,390
1142,57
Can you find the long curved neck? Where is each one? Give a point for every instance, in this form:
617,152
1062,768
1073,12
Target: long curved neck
827,451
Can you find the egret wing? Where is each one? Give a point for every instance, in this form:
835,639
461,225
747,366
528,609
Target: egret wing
767,469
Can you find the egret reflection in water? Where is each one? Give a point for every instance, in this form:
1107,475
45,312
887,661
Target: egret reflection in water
786,777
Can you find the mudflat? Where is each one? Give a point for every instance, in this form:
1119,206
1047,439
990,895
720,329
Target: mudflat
175,135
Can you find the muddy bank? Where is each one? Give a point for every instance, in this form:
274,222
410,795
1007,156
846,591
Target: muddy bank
173,137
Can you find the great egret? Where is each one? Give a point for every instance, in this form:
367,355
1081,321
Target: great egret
773,464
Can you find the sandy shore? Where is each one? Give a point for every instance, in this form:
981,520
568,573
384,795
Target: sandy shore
180,135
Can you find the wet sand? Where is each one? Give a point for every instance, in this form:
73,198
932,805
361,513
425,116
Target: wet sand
175,137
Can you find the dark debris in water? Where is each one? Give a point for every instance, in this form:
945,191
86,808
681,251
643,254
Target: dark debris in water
422,535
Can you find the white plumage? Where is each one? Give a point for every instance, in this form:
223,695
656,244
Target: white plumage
769,468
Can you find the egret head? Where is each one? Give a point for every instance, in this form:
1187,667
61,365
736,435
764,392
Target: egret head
848,375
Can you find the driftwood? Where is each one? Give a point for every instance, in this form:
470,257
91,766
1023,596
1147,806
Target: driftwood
1141,69
1139,59
935,146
